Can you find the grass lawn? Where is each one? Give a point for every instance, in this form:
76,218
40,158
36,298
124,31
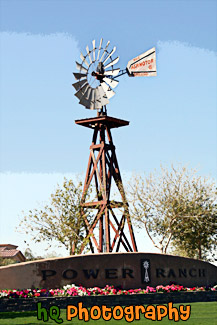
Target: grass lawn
201,314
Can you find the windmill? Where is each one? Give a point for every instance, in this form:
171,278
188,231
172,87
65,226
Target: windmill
95,80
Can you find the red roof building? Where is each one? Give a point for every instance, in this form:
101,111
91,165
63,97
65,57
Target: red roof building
11,251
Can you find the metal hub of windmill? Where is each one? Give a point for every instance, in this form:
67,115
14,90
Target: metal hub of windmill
96,79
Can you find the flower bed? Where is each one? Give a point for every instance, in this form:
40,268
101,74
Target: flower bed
72,290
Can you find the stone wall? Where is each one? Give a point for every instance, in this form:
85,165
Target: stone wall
28,304
128,270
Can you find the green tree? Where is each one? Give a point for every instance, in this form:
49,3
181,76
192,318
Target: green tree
61,220
31,257
177,208
7,261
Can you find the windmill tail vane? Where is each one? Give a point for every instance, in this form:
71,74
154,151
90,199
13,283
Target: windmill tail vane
143,65
97,75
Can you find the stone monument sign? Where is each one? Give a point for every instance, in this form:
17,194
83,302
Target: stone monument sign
127,270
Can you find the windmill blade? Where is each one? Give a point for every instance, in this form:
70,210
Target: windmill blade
110,54
107,89
93,95
81,91
90,96
79,84
112,63
94,50
80,67
100,46
83,101
111,82
100,101
104,101
92,99
84,60
97,94
87,94
97,98
113,73
88,53
104,52
102,94
93,104
79,75
98,106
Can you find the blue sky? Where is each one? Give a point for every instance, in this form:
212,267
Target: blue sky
172,116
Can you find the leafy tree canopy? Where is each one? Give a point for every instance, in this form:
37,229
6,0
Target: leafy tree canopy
177,208
61,220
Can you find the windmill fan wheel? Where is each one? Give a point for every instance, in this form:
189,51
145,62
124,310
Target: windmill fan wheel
95,79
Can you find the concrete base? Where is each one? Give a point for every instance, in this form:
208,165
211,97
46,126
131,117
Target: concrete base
128,270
